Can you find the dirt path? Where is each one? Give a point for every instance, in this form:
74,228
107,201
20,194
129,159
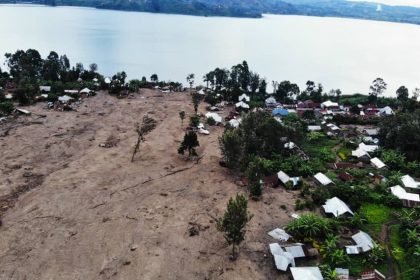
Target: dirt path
385,239
96,215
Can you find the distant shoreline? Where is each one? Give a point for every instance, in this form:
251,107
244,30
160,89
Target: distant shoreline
413,16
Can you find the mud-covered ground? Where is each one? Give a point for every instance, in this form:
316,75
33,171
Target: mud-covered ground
72,209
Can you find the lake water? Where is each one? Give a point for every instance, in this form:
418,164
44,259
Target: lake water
340,53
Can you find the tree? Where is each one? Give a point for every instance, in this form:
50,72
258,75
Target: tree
376,89
189,143
286,91
376,255
190,79
262,89
154,78
416,94
182,117
402,93
148,124
196,99
254,174
24,64
93,67
401,132
234,221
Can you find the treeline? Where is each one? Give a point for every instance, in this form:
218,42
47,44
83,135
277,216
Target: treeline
28,71
251,8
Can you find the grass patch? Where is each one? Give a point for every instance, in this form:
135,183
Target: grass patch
376,215
344,153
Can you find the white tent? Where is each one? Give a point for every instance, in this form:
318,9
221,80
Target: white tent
387,111
65,98
85,90
336,207
324,180
409,182
244,97
107,80
201,92
215,116
283,177
314,128
203,131
376,162
279,234
306,273
328,104
45,88
242,104
400,192
234,123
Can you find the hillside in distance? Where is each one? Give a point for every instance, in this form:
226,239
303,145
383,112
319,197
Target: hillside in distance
251,8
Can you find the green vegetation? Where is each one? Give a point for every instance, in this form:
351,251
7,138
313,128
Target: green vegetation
376,215
234,221
189,143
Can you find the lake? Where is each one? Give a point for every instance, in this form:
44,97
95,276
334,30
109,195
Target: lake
340,53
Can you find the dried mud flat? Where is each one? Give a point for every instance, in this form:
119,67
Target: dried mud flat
72,209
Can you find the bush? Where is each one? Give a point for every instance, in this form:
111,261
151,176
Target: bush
211,121
6,108
194,120
308,226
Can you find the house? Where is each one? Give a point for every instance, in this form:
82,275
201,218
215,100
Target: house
376,162
44,88
372,275
345,177
408,199
296,250
336,207
282,259
333,128
280,112
214,116
107,80
279,234
271,102
342,273
242,105
308,104
285,179
360,153
322,179
244,98
364,243
371,131
71,91
409,182
345,165
306,273
201,92
312,128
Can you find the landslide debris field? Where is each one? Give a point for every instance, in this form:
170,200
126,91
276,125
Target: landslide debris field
74,209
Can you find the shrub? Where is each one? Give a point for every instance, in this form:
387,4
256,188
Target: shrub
211,121
194,120
6,108
308,225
